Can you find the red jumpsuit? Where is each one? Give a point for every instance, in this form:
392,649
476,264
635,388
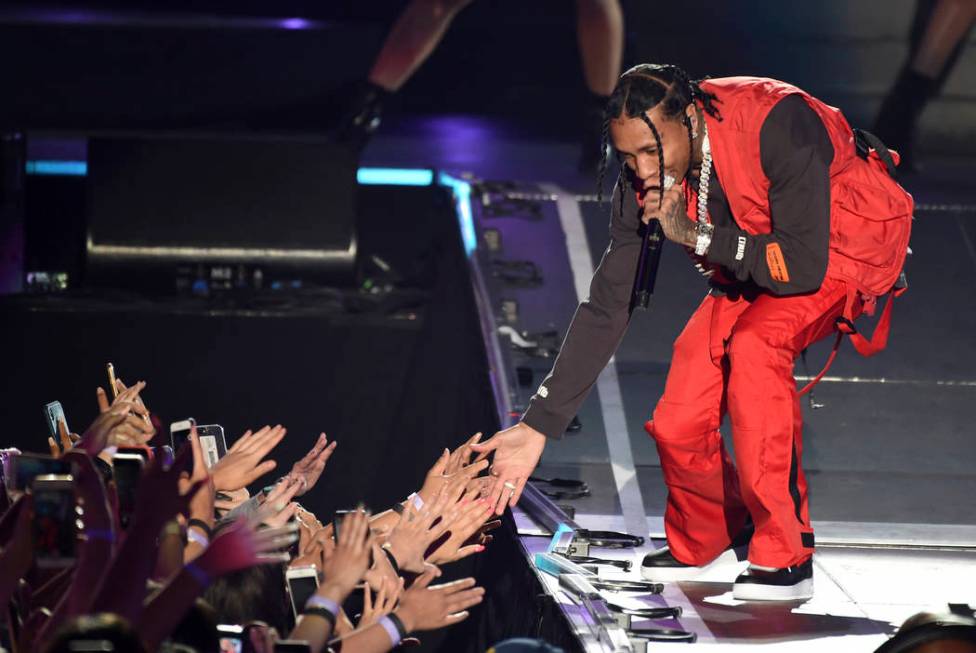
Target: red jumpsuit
736,355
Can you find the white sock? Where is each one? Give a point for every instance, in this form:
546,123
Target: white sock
761,568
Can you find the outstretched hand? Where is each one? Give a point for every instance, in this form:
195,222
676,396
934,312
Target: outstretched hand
309,469
516,453
242,464
427,608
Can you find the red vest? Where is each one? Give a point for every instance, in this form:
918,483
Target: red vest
870,214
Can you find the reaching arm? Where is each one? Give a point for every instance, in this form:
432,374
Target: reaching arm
597,328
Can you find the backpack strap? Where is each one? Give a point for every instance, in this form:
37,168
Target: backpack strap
845,326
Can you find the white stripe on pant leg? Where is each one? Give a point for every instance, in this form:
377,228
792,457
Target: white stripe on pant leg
608,385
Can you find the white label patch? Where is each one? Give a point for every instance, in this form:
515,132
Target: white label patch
543,391
740,250
208,445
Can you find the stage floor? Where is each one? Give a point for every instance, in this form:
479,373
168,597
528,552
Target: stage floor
889,456
861,594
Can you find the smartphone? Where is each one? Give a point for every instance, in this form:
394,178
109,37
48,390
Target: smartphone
179,434
55,532
337,517
110,369
231,638
302,583
337,522
292,646
25,467
212,443
127,470
140,450
53,413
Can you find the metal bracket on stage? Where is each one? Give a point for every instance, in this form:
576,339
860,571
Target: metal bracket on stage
606,618
572,539
608,631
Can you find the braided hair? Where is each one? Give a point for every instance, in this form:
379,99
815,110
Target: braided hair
644,87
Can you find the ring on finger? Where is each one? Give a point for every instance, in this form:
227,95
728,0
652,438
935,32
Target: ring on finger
509,485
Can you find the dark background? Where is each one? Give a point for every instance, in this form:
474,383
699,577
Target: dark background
210,63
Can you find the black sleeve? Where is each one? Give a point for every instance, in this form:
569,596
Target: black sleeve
597,327
796,154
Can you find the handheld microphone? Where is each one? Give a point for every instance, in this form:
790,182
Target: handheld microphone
650,258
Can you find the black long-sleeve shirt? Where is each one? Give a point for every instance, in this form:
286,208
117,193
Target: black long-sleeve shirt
796,153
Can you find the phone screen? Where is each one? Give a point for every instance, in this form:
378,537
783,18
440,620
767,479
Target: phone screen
28,466
301,586
212,443
127,471
231,638
179,435
54,526
53,413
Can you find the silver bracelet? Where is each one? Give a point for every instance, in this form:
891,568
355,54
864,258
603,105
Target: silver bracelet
704,233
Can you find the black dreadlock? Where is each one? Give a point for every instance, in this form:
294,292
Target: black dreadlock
644,87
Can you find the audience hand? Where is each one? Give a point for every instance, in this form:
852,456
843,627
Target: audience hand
385,600
309,469
427,608
242,465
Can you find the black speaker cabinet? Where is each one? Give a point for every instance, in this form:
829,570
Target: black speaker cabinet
160,202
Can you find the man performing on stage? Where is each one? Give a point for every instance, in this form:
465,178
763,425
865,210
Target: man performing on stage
799,226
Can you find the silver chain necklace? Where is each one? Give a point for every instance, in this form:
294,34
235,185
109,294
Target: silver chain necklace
706,172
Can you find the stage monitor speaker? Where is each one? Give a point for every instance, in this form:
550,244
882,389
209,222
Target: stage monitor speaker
158,202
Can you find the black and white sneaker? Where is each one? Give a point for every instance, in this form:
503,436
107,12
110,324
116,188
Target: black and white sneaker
766,584
662,567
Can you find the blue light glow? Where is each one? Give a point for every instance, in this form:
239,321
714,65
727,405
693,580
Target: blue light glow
395,176
62,168
462,196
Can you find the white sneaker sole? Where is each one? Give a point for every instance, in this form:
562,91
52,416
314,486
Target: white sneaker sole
757,592
676,574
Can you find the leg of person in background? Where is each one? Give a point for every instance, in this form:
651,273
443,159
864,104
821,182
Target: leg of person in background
414,36
920,79
600,31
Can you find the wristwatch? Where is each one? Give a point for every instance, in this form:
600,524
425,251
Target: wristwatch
704,233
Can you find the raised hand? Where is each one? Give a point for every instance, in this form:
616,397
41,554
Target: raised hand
385,600
381,569
452,467
278,506
423,607
202,502
470,520
345,565
516,453
309,469
65,440
416,531
160,497
240,546
126,395
242,465
121,424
